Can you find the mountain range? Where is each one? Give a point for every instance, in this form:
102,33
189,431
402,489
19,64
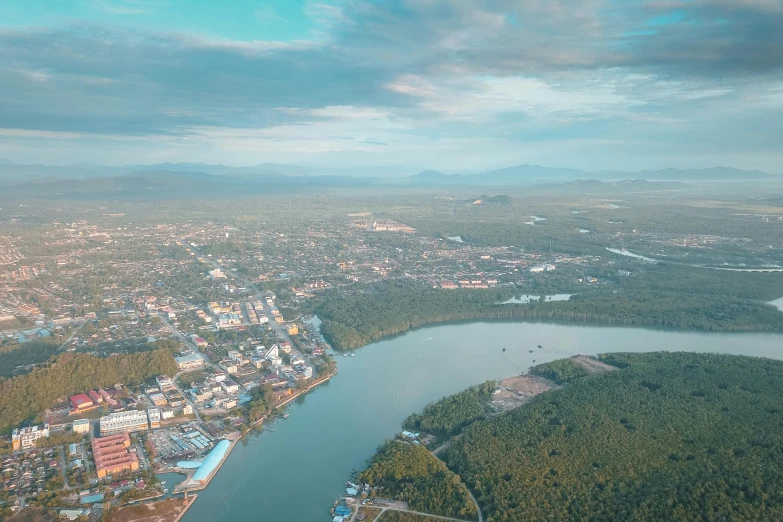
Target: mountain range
193,178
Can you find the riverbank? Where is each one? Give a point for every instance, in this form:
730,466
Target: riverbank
234,438
337,429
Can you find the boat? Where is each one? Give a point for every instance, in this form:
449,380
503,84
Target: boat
163,482
345,355
285,416
353,355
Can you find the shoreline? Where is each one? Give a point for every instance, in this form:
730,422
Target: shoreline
560,322
234,438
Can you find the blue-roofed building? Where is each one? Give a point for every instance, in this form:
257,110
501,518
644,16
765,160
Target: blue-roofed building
351,492
91,499
342,511
211,462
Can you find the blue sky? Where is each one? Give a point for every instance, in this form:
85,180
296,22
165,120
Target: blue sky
452,85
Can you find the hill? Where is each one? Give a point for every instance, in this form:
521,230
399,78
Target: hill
669,436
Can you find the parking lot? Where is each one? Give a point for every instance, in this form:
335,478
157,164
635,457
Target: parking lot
182,442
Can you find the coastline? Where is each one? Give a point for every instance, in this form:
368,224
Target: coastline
236,437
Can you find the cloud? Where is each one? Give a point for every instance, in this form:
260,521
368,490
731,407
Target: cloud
404,77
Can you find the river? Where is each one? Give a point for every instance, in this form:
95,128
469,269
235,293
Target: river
297,471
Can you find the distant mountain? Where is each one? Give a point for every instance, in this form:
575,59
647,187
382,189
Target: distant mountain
433,177
523,175
519,175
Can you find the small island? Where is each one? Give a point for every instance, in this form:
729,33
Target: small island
652,436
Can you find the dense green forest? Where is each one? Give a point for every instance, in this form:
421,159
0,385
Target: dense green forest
13,355
25,397
664,296
561,371
410,472
671,436
449,415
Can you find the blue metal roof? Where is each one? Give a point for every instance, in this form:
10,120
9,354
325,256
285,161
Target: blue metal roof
211,462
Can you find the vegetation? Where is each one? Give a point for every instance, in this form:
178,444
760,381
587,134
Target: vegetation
25,397
711,300
671,436
410,472
451,414
14,355
560,371
401,516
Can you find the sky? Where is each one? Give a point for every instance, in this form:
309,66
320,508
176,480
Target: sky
452,85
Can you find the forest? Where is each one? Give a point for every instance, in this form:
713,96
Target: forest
13,355
410,472
25,397
666,296
449,415
671,436
561,371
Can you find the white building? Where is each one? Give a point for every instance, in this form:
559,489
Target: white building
230,387
24,438
153,415
189,361
165,382
123,422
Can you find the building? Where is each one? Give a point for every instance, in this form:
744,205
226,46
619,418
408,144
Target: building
95,397
189,361
230,386
153,415
81,402
293,329
187,410
81,426
158,399
198,341
123,422
165,382
168,413
111,454
228,366
25,438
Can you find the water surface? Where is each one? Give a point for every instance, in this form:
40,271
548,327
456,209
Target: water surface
296,470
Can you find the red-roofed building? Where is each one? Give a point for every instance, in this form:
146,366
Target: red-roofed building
95,397
81,402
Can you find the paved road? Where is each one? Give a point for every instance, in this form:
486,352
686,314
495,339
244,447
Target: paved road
64,467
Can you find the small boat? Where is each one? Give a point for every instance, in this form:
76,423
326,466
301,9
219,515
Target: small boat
285,416
345,355
540,346
531,351
163,482
353,355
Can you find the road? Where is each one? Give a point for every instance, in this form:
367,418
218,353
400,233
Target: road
195,350
385,509
70,337
258,295
64,467
472,498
